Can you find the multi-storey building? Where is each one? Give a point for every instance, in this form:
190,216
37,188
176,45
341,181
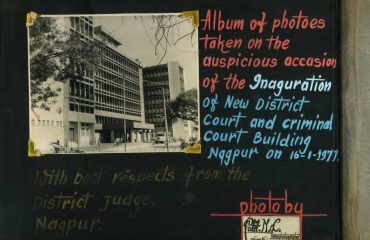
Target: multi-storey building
79,122
163,83
99,105
118,93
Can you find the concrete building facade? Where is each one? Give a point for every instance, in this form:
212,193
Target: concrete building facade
163,83
119,94
97,106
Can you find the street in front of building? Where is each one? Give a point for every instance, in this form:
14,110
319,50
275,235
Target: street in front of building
130,148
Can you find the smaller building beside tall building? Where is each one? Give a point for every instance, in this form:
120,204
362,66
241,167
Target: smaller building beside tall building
163,83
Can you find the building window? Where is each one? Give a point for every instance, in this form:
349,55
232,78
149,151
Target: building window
33,122
77,24
43,123
72,22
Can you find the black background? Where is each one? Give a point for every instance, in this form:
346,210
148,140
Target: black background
175,215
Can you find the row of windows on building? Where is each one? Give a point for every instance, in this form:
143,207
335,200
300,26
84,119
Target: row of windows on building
131,108
85,71
133,74
81,89
81,108
154,109
131,91
46,123
155,72
108,120
154,119
130,112
111,103
112,95
118,58
156,82
104,84
158,100
132,86
115,78
83,25
118,101
159,126
154,92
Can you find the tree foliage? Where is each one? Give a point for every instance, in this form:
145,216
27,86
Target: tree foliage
185,106
56,54
167,33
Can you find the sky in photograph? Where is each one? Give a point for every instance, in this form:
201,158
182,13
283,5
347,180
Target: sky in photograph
137,36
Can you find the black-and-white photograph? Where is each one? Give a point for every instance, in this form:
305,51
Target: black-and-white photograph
113,83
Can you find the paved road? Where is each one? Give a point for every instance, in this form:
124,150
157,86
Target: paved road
131,147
